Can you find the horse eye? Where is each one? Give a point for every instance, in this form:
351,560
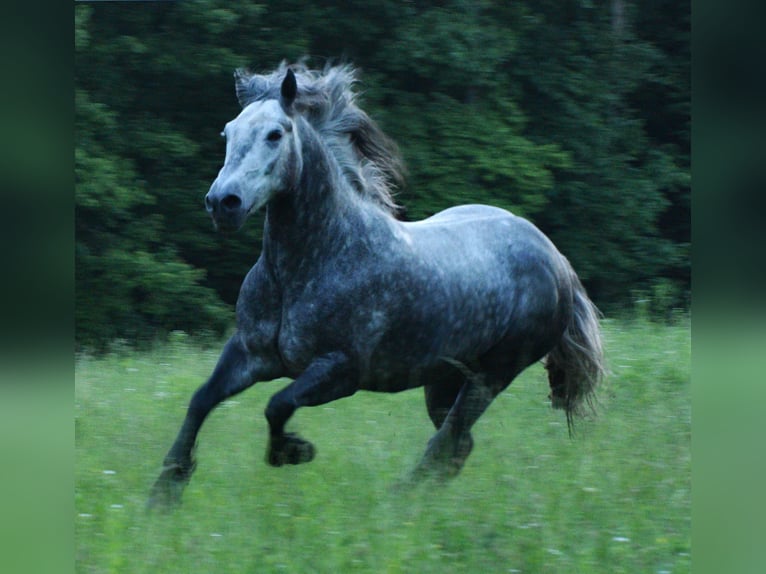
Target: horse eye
274,136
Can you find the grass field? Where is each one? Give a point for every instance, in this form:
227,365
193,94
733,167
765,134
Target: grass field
616,498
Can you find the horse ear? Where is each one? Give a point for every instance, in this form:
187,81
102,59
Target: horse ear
289,89
242,86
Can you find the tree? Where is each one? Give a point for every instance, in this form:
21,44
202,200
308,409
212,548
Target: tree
579,67
573,114
129,282
443,92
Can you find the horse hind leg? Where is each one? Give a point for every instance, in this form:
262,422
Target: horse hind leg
440,399
442,395
449,448
557,383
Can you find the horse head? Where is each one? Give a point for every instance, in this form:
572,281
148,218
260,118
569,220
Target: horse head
262,160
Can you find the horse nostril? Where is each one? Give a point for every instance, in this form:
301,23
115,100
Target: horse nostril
231,202
208,203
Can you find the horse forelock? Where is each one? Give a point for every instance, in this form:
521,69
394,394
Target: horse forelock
369,159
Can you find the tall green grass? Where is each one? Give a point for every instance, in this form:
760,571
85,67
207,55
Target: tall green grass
616,498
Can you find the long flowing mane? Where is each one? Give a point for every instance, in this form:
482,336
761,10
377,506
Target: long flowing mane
369,159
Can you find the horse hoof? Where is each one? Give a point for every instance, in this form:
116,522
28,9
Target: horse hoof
168,489
444,458
436,472
289,449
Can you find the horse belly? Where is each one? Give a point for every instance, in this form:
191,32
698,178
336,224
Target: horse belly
421,347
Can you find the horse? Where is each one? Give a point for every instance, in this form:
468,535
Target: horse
345,296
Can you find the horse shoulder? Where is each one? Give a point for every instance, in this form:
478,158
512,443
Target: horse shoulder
259,306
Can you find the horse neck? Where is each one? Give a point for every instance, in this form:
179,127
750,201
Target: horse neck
323,210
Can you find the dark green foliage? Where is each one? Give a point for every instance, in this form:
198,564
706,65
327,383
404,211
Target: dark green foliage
573,114
130,281
580,74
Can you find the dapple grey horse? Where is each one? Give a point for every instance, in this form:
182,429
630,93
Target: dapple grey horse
345,297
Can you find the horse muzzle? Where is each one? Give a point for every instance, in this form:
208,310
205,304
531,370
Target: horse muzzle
225,206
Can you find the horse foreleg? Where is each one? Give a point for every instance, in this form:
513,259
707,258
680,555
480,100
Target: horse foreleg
326,379
235,371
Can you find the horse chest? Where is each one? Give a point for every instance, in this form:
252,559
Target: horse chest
355,316
314,320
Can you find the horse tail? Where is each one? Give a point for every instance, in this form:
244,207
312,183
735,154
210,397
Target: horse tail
576,364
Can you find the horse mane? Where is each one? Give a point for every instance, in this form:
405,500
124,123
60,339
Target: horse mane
370,160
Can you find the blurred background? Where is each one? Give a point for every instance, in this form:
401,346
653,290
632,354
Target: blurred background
573,114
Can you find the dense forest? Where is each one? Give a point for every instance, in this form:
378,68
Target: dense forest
574,114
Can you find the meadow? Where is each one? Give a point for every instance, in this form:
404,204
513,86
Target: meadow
614,498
